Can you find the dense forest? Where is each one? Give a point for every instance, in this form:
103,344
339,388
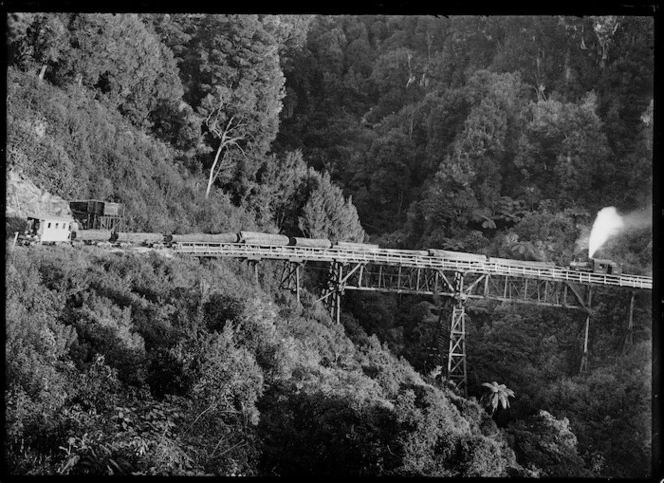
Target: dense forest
500,135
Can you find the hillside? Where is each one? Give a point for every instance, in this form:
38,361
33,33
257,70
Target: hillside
501,136
24,198
169,366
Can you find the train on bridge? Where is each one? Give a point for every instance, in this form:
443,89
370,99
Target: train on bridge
57,230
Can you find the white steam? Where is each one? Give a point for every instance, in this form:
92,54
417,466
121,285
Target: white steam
609,223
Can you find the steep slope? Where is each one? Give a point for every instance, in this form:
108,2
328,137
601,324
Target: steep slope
66,142
166,366
25,198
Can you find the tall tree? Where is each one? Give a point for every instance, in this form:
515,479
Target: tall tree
327,213
36,39
569,154
471,178
277,194
230,69
122,59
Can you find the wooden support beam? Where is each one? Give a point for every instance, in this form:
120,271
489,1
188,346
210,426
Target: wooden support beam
584,357
469,289
290,277
254,264
629,336
297,283
579,296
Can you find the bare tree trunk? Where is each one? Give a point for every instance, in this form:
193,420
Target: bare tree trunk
214,165
567,69
42,72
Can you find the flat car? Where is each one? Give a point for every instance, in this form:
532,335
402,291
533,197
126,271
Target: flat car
364,247
267,239
452,255
522,263
297,241
405,253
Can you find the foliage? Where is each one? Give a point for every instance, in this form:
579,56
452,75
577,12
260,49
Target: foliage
126,364
327,214
229,66
497,394
548,445
103,52
304,202
68,131
530,111
609,410
278,194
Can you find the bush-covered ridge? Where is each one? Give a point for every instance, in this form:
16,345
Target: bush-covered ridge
71,145
149,365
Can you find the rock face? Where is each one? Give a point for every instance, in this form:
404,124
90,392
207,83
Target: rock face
24,199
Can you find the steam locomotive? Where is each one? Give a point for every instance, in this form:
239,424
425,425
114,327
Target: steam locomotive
46,230
53,230
597,265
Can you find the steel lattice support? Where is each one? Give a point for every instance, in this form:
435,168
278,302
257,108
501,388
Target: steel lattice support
332,296
456,354
337,282
290,277
510,288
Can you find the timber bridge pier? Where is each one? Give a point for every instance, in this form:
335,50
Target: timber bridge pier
408,272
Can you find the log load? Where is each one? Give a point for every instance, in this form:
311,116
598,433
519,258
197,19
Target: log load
310,242
406,253
255,238
202,238
92,235
523,263
137,238
365,247
452,255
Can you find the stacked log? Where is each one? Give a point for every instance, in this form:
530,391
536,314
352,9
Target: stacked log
452,255
407,253
356,246
310,242
203,238
136,238
255,238
93,235
523,263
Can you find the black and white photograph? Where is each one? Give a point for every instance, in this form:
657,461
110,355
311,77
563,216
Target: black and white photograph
307,244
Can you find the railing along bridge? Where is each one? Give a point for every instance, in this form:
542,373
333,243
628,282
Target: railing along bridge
401,271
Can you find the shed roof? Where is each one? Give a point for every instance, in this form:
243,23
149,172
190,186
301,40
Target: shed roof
37,216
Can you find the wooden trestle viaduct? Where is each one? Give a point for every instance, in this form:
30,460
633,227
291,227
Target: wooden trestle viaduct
462,280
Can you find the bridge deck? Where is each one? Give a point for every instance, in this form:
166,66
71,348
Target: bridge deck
384,257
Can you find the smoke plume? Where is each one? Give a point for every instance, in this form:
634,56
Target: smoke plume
607,224
610,223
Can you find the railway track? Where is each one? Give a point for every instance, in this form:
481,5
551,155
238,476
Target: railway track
387,257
